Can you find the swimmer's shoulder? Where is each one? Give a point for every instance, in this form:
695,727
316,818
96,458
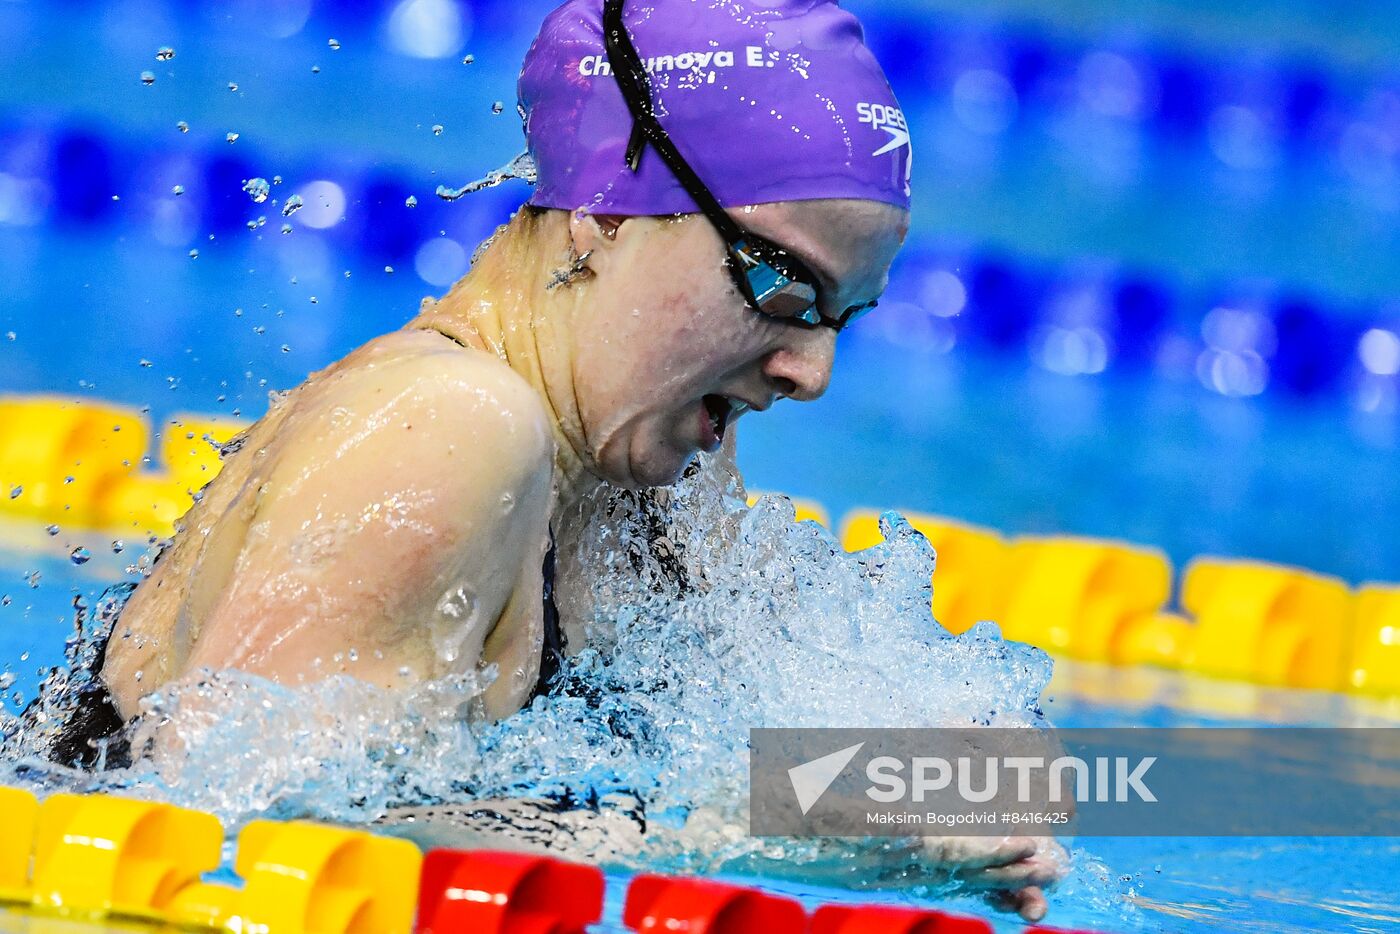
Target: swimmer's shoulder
464,394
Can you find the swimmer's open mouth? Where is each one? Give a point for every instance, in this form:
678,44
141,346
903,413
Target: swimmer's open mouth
723,410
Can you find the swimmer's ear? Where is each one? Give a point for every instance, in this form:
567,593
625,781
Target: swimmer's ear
593,233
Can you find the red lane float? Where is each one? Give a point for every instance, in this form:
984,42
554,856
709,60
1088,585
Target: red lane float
486,892
699,906
840,919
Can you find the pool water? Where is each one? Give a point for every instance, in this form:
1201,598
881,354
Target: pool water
168,300
1169,884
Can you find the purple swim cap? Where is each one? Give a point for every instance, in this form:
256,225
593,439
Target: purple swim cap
768,100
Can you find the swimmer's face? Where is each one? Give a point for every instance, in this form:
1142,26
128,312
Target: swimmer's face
666,343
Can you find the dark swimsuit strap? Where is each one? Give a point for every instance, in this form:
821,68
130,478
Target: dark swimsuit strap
552,656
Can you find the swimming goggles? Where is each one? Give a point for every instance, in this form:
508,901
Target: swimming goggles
773,281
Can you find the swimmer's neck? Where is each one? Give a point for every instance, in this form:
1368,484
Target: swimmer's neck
505,306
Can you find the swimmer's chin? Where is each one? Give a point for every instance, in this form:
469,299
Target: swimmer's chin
642,460
659,469
647,476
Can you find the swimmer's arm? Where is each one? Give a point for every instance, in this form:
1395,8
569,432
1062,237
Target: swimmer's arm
407,502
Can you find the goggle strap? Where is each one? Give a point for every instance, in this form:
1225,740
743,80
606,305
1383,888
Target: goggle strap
635,144
631,76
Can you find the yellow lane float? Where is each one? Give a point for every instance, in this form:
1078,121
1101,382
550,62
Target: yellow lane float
190,447
21,815
58,455
1267,623
98,856
1082,597
304,878
1375,658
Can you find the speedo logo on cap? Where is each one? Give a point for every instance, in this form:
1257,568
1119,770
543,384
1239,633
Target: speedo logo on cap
888,118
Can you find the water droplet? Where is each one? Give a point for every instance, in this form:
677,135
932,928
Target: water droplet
276,179
507,503
389,270
457,611
10,335
118,547
259,329
232,86
468,59
148,78
315,69
292,205
334,44
411,201
354,654
286,228
231,137
5,601
194,254
437,129
497,107
314,300
177,190
16,491
182,126
165,53
139,675
286,348
53,530
7,680
257,189
79,555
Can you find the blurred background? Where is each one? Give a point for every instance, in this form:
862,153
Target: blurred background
1152,290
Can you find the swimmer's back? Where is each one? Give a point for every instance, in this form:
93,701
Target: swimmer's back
388,520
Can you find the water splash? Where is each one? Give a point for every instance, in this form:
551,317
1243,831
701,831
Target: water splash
521,167
705,618
709,618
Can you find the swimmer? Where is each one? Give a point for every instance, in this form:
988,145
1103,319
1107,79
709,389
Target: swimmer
720,191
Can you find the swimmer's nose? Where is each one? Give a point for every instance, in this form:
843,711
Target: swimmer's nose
801,368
